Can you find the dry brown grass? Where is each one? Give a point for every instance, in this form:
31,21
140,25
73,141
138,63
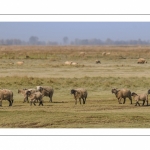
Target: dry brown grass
44,65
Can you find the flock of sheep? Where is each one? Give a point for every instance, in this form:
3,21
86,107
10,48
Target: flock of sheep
36,95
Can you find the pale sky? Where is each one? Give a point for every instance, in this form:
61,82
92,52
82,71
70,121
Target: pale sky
55,31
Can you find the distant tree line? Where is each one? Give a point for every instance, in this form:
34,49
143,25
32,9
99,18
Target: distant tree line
34,40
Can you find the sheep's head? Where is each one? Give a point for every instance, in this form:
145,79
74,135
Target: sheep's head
114,91
73,91
133,94
28,93
149,91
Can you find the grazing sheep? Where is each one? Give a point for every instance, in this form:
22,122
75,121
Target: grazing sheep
20,62
6,94
97,61
36,96
123,93
108,53
103,53
74,63
141,97
82,54
141,61
46,91
78,94
68,62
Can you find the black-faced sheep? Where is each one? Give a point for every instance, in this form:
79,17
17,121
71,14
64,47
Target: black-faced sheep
123,93
79,93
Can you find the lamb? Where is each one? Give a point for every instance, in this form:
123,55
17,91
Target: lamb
35,97
78,94
141,97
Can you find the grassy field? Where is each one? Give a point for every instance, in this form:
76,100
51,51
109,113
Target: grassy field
45,65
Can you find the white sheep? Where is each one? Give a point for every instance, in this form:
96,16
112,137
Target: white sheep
68,62
20,62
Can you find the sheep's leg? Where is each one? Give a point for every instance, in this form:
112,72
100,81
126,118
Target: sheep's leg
10,104
0,103
147,102
139,103
119,100
40,103
31,103
83,101
34,102
50,98
130,99
124,100
80,100
143,103
75,101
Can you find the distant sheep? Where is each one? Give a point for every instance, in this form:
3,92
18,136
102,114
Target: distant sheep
68,62
141,97
97,61
20,62
141,61
78,94
74,63
103,53
108,53
82,54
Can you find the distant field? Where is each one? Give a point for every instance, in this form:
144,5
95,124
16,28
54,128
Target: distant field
45,65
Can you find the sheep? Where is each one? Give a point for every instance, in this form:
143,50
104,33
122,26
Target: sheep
46,91
6,94
97,61
141,61
123,93
35,97
20,62
108,53
74,63
78,94
23,92
68,62
103,53
82,54
141,97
